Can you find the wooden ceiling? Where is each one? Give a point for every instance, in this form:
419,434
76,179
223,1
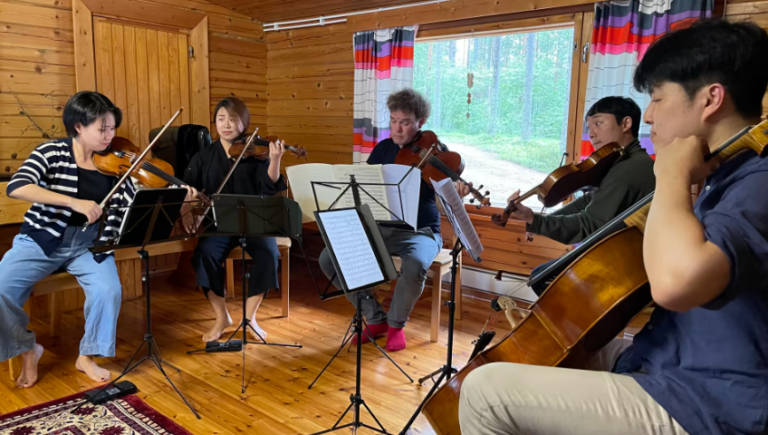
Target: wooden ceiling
270,11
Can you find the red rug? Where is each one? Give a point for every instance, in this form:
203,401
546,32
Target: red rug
125,416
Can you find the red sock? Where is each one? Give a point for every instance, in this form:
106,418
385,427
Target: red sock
395,339
375,331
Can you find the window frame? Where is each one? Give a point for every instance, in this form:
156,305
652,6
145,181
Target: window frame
581,22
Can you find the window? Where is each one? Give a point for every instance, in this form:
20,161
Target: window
515,129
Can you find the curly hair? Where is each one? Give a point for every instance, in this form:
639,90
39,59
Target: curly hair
409,101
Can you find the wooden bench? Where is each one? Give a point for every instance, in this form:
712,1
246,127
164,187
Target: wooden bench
12,212
441,265
284,246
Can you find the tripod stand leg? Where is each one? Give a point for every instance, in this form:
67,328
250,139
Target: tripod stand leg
383,352
159,364
345,340
160,358
381,428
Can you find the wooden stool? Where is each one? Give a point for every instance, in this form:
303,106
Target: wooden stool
284,246
440,266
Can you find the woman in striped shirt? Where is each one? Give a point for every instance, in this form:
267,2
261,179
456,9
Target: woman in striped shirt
61,181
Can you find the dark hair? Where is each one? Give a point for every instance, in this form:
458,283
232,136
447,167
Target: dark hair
620,108
409,101
711,51
85,107
235,108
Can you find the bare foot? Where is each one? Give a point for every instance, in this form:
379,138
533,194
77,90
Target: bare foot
28,376
88,366
218,328
261,332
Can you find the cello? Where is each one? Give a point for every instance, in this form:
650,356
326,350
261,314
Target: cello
600,291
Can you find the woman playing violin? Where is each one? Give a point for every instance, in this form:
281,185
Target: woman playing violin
60,180
206,172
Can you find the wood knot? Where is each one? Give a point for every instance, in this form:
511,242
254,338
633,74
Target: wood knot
38,69
14,155
7,169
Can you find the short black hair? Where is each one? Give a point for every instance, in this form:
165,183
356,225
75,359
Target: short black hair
734,54
620,108
85,107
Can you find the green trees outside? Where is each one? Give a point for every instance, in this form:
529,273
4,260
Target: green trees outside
519,98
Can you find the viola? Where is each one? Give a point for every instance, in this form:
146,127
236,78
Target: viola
428,154
259,148
578,314
566,180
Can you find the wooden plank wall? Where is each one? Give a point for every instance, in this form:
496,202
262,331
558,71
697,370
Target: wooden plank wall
311,83
311,86
37,77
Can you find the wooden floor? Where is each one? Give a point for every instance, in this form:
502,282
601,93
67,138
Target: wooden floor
276,400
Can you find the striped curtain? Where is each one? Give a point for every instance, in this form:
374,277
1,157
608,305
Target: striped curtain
621,34
383,64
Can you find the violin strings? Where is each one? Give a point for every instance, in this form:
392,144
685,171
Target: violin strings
445,169
150,167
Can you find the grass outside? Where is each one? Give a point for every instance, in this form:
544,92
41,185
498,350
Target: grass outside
540,154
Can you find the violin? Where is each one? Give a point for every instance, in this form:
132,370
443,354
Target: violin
122,153
596,295
428,154
565,180
259,148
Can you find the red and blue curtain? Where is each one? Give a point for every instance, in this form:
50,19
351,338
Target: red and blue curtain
621,34
383,64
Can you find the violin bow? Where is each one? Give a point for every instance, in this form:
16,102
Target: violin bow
128,173
229,174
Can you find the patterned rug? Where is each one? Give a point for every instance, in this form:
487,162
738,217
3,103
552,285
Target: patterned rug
128,415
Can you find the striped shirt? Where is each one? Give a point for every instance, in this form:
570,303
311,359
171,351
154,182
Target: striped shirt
52,166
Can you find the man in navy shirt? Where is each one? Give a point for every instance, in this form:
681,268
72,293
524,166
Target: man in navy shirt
700,365
409,111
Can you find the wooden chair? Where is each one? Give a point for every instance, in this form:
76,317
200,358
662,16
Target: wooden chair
284,246
441,265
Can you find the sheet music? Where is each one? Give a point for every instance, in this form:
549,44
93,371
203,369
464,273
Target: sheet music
364,174
352,248
457,215
301,177
410,189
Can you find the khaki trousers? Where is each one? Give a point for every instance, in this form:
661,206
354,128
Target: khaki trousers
504,398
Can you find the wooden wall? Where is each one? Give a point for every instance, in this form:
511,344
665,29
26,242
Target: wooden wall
311,83
37,77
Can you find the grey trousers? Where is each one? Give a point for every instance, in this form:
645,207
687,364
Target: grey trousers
504,398
417,250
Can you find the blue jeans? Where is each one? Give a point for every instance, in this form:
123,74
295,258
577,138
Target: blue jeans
417,250
26,264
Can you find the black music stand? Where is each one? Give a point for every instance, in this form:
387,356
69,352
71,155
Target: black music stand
339,227
378,242
141,227
447,370
260,216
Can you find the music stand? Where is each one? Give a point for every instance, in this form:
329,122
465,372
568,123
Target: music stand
378,243
141,227
462,241
361,261
260,216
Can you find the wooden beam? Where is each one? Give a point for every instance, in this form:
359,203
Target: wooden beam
200,79
145,12
85,64
451,11
497,19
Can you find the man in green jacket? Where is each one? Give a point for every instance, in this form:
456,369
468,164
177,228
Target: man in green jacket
611,119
